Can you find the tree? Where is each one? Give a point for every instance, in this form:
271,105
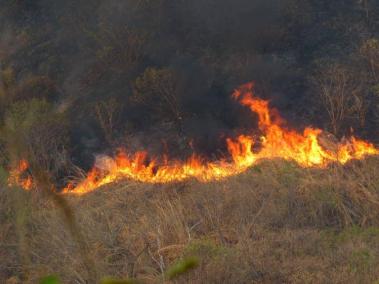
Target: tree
340,93
108,114
369,50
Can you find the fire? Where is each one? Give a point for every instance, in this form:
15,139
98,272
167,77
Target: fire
304,148
20,176
276,141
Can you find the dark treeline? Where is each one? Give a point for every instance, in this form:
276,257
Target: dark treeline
80,77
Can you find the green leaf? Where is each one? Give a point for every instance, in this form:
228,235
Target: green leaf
119,281
51,279
182,267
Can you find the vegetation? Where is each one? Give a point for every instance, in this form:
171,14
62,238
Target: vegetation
79,78
113,70
277,223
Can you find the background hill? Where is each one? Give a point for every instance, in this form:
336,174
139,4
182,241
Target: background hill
84,77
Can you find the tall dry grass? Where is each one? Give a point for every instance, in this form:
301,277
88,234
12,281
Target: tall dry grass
276,223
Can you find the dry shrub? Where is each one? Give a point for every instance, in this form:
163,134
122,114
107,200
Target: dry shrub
33,131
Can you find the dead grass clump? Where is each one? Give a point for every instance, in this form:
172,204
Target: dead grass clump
276,223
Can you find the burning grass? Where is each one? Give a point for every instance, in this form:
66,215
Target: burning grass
276,141
275,223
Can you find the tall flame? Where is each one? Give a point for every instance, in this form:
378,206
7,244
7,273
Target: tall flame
276,141
304,148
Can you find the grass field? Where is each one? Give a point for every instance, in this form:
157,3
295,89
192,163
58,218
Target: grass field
276,223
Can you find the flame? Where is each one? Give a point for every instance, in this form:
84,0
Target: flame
305,149
276,141
20,176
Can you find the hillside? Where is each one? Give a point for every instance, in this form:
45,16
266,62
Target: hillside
276,223
191,141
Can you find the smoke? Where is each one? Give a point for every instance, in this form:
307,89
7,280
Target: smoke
96,50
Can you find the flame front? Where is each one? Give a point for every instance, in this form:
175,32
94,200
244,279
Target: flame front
304,148
276,141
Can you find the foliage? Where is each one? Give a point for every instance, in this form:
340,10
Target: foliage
118,281
75,74
155,62
50,280
182,267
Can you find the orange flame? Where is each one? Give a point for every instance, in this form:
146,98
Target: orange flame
19,176
276,141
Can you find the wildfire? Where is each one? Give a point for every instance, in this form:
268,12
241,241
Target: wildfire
276,141
20,176
304,148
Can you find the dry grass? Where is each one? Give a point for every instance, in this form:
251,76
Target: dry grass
277,223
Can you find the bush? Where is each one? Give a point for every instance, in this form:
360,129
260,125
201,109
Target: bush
34,131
